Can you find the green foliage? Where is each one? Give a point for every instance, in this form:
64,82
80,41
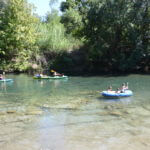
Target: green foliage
73,22
17,34
115,34
52,35
74,16
119,29
116,31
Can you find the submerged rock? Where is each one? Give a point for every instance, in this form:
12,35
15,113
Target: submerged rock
103,113
108,107
135,122
117,114
11,111
34,112
138,111
147,107
46,106
2,113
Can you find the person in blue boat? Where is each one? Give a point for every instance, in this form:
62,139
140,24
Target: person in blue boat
109,88
122,89
39,75
118,91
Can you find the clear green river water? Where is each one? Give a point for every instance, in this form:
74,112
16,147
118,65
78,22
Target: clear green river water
72,115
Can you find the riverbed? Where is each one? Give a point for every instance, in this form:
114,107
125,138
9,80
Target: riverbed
72,115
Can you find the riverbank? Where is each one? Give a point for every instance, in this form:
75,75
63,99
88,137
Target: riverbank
77,62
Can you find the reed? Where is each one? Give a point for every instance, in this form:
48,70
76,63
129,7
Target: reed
53,37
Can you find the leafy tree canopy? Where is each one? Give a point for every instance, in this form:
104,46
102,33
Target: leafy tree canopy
17,33
119,29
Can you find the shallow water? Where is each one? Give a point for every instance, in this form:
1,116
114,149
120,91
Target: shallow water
72,115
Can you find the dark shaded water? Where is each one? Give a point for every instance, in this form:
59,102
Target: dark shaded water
71,114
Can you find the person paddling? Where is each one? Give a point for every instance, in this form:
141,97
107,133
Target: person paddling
56,73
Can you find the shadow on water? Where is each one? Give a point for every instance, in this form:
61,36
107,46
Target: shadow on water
50,81
115,99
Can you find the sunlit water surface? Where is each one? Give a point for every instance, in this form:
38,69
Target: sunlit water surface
72,115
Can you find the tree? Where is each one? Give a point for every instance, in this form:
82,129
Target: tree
74,16
17,34
117,32
118,29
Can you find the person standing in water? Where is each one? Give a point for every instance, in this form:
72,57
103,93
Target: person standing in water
109,88
1,77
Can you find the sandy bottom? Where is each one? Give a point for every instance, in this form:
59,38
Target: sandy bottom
76,129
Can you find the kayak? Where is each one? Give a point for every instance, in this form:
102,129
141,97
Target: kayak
51,77
127,93
6,80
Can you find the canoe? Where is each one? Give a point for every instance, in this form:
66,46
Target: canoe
6,80
127,93
51,77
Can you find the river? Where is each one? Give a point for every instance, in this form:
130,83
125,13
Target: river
72,115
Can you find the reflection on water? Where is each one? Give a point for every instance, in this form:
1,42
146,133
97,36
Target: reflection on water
124,100
72,115
4,85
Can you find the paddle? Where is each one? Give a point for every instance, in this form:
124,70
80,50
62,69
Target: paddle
52,70
57,74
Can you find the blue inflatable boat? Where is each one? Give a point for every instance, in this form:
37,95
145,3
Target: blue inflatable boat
6,80
127,93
